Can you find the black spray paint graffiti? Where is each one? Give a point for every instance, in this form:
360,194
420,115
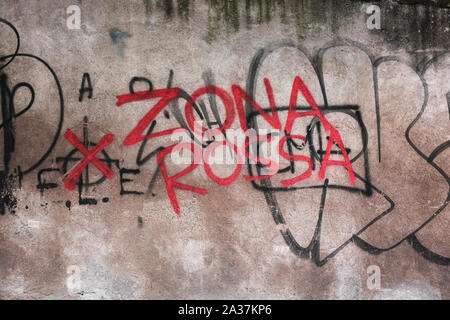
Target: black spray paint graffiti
312,251
9,117
84,183
367,188
315,139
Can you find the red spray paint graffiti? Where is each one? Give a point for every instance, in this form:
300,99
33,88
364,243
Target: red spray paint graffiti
90,156
239,94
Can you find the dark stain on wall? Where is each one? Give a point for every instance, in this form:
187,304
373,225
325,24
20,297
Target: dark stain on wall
417,27
410,24
168,7
436,3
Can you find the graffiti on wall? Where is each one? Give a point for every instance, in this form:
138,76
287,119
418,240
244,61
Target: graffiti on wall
304,144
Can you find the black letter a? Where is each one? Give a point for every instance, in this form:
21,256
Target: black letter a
85,89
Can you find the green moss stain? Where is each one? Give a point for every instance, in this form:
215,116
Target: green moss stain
436,3
148,6
402,19
183,9
169,7
230,12
230,15
213,26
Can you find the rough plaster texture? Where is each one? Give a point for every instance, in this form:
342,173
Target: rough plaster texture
226,244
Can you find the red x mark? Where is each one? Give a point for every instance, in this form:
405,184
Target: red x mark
73,177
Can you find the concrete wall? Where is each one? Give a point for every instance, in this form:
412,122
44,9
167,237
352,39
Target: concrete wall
372,229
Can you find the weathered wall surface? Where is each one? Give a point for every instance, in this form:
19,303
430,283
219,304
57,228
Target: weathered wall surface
359,193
